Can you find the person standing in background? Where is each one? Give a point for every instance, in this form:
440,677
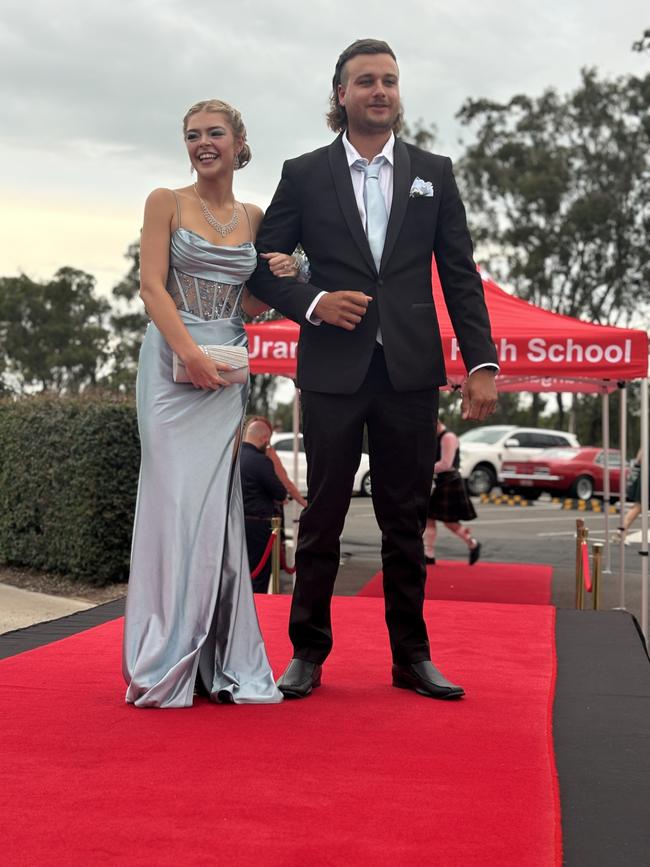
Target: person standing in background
281,473
449,501
633,495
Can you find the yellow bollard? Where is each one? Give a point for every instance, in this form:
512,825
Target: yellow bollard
597,567
276,525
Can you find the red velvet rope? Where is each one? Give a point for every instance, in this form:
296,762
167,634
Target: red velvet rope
290,570
586,574
265,556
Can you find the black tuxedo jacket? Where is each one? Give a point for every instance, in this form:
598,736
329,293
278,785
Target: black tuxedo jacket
314,205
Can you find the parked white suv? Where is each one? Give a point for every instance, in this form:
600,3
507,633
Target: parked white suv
283,445
483,450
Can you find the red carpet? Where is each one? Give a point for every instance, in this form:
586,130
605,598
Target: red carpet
358,774
522,583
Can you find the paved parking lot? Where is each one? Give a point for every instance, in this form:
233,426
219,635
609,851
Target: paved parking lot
540,533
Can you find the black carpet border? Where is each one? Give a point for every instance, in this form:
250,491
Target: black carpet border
602,738
39,634
600,726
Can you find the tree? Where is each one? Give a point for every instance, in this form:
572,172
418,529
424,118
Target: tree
129,321
282,415
558,189
643,44
54,334
420,135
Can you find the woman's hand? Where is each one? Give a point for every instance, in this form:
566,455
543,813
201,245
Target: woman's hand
203,371
281,264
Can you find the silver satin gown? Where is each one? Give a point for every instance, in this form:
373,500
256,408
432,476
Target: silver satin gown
190,611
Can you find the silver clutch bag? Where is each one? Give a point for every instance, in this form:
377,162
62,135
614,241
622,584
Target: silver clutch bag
235,356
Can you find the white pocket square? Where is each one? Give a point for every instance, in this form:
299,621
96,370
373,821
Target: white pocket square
421,188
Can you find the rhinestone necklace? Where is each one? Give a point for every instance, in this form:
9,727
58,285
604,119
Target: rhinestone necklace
223,228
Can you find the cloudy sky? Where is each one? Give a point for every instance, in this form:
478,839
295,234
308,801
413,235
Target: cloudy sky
93,94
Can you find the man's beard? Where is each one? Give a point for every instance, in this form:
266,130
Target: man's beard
372,125
368,124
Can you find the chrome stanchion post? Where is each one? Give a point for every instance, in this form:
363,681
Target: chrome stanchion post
295,508
597,573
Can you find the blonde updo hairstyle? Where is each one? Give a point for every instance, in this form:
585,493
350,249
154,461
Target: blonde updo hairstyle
234,119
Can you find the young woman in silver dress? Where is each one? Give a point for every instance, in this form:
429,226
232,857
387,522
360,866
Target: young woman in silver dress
190,622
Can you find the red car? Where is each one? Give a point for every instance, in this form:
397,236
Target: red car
562,472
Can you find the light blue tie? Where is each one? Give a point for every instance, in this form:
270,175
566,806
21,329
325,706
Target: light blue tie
376,213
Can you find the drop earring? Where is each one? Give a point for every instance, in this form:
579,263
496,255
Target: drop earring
236,164
191,168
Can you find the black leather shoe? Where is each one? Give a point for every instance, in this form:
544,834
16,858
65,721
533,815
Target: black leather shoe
474,553
299,678
425,679
430,561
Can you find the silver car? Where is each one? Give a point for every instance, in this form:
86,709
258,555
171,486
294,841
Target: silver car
283,445
483,450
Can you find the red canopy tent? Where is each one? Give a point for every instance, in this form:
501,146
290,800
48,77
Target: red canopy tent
538,350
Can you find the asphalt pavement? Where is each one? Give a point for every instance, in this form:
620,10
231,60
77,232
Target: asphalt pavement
540,533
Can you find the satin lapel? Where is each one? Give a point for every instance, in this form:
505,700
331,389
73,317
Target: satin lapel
401,190
345,193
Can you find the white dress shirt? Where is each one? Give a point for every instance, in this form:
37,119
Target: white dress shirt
386,186
385,174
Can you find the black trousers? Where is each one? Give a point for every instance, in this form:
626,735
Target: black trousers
402,442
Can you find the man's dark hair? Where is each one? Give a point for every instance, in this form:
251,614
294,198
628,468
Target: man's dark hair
337,118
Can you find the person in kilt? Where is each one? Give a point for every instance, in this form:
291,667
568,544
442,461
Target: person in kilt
449,501
633,495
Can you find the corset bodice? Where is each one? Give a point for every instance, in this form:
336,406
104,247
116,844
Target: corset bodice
208,279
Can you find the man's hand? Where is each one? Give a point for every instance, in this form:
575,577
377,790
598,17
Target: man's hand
344,309
480,394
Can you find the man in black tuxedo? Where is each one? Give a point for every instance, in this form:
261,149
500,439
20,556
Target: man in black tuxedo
369,211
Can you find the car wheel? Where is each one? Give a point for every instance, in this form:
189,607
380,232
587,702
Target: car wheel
366,486
583,488
481,480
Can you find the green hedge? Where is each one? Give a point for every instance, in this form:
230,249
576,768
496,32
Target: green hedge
68,482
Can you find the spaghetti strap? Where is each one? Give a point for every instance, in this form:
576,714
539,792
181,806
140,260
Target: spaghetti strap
250,228
178,210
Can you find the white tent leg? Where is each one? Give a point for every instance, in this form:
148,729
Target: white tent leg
607,569
644,508
294,505
622,428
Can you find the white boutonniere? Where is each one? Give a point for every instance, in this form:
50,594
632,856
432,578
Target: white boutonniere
421,188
